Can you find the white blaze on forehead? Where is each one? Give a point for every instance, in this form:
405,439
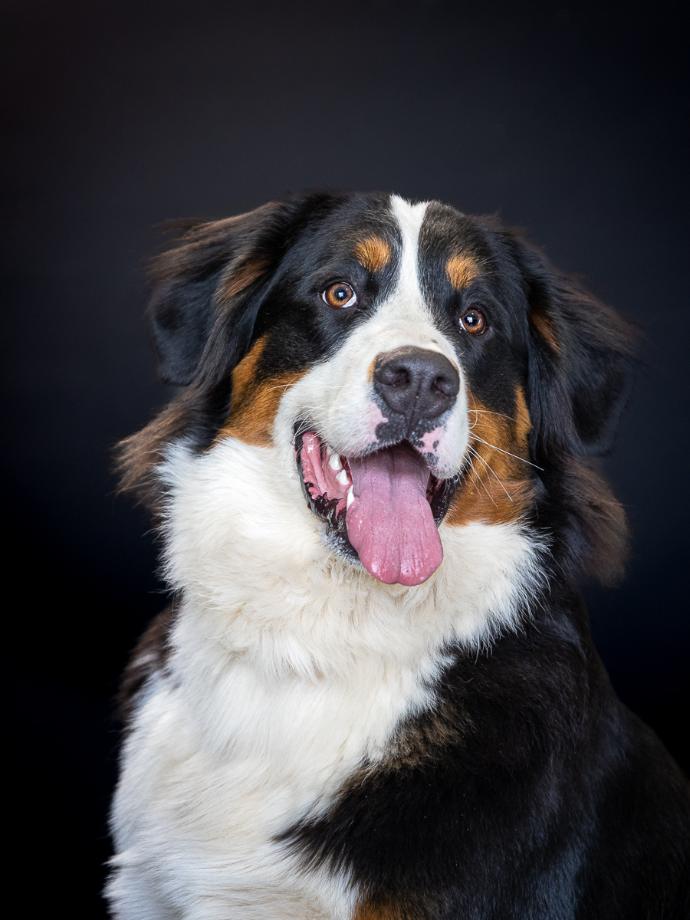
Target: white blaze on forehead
404,318
409,217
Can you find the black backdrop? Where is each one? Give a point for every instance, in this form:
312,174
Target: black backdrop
568,121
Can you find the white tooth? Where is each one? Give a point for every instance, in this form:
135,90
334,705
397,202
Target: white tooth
343,478
350,496
334,462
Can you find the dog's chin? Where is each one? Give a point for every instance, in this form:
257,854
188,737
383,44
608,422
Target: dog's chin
380,508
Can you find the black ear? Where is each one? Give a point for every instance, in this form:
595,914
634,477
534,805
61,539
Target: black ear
204,301
580,360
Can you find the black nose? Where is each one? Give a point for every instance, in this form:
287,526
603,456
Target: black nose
417,383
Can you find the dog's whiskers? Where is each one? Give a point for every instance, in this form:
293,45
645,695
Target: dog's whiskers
479,479
507,452
493,473
510,418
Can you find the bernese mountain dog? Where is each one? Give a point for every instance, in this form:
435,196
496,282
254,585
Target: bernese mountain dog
375,695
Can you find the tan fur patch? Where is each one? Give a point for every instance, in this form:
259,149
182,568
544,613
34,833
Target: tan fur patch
544,327
245,372
252,412
254,404
461,270
373,253
497,487
239,278
523,422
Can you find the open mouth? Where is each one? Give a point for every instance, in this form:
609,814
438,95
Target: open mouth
384,507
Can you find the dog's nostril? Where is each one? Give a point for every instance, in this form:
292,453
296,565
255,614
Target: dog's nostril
393,375
445,385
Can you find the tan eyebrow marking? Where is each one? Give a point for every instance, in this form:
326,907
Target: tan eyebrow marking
461,270
373,253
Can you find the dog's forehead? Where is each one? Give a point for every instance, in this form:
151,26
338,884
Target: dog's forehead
451,235
354,219
375,230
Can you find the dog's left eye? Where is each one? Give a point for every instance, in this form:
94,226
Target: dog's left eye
339,295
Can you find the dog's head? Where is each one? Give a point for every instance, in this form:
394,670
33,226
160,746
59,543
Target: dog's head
392,370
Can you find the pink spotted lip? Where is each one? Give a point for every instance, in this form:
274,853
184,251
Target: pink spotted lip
385,505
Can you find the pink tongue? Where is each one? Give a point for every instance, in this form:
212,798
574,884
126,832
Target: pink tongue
390,523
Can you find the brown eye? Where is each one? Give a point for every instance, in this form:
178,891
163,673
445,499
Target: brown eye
339,295
473,321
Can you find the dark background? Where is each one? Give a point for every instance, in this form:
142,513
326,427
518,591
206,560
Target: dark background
570,121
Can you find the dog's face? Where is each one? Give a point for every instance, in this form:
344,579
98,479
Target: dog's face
402,365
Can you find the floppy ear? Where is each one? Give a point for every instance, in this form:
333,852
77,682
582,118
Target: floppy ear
202,310
580,361
208,290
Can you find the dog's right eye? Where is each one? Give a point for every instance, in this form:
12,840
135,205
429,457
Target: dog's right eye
339,295
473,321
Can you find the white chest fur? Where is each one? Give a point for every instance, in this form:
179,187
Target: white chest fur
289,668
207,784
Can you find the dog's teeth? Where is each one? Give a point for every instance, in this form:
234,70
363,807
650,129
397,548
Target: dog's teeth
343,478
334,462
350,496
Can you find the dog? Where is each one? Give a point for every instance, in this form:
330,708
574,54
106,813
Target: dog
374,695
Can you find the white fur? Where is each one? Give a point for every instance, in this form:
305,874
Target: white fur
290,666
